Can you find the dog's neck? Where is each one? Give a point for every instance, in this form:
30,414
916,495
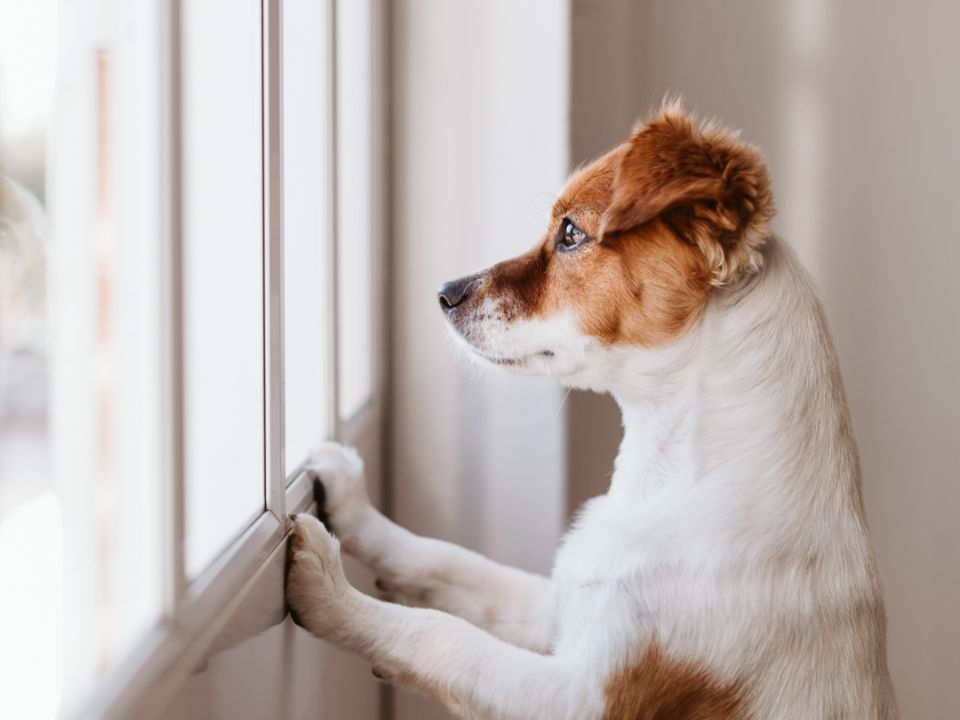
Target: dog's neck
659,439
742,399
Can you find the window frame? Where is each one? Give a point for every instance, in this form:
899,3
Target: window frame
196,611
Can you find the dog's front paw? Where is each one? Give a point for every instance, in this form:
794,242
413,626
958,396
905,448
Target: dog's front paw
340,471
316,588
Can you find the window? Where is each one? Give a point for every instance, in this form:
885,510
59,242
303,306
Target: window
222,273
85,332
187,306
354,204
308,178
28,497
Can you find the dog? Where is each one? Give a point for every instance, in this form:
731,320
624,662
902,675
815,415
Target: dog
728,571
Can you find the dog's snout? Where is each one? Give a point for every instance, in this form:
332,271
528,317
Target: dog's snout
455,292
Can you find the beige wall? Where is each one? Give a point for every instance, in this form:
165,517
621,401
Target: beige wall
857,107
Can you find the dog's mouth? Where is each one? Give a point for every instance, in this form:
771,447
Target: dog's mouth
515,360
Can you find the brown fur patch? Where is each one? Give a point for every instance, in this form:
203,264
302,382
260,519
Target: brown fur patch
522,280
642,288
657,688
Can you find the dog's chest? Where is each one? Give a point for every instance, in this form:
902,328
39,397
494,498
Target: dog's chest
624,578
630,564
597,548
606,561
600,575
609,541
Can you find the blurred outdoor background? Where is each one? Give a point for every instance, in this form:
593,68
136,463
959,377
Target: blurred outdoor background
422,140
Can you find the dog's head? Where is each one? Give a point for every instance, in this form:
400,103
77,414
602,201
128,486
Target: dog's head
635,244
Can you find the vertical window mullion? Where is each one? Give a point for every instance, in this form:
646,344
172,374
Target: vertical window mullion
333,282
273,256
174,522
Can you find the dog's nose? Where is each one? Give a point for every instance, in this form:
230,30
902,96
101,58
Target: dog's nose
454,292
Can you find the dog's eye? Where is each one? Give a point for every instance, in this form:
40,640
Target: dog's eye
570,235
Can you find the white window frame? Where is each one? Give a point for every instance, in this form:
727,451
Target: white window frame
144,683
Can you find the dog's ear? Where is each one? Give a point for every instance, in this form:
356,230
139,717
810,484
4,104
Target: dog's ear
706,184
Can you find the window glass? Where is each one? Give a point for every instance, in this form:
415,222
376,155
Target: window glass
355,206
222,273
80,420
307,225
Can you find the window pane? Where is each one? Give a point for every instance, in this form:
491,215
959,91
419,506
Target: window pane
306,167
79,344
222,274
354,166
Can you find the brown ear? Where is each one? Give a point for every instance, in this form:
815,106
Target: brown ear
703,181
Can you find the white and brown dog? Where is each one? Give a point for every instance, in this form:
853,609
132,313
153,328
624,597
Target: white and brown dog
727,572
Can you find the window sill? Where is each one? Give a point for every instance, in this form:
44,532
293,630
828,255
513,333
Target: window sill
238,596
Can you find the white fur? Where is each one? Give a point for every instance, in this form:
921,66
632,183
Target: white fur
733,532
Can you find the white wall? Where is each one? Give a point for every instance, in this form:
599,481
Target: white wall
480,146
857,108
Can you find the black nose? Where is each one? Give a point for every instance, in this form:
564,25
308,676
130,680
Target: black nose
455,292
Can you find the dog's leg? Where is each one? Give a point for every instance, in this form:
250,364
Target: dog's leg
473,673
512,604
